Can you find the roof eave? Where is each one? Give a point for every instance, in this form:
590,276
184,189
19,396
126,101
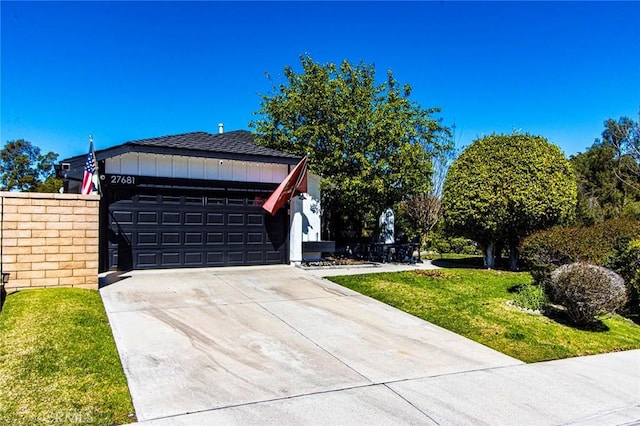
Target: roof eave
182,152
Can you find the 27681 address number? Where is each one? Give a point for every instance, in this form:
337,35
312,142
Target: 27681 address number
122,179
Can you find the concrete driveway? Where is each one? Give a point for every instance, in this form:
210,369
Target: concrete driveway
281,345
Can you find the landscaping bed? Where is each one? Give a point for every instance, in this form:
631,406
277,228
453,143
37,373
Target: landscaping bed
474,304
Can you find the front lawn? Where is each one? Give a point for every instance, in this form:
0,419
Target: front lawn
473,303
58,361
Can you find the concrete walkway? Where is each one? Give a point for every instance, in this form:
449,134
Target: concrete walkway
279,345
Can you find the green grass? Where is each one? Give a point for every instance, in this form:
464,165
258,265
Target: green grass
473,303
58,361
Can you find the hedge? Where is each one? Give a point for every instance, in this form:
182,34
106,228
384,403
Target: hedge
599,244
608,244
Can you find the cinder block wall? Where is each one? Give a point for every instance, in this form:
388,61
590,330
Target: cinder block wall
49,240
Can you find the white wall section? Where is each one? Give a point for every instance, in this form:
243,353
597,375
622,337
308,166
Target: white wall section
158,165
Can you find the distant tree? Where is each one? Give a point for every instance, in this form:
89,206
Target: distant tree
424,211
24,168
369,142
608,174
51,184
600,193
504,187
624,136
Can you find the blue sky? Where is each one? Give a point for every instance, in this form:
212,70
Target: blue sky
130,70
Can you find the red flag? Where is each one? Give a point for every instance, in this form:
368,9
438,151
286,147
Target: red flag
295,183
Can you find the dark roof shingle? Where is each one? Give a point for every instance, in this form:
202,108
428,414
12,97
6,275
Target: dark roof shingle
234,142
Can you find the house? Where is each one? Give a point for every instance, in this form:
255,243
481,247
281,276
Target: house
195,200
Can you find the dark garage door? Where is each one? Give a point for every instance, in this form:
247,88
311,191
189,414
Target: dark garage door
174,231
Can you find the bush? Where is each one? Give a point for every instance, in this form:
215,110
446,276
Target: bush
585,290
443,246
628,266
470,249
458,244
599,244
530,296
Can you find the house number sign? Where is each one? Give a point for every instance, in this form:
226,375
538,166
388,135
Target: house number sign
120,179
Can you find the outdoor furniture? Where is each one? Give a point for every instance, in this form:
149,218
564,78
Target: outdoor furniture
313,250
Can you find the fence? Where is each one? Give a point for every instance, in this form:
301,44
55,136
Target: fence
49,240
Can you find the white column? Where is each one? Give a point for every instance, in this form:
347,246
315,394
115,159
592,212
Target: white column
295,231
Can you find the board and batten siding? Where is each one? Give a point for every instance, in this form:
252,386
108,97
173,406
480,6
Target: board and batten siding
174,166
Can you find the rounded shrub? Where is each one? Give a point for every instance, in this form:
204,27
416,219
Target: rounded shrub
585,290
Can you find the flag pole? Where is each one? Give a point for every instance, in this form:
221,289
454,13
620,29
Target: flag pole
96,174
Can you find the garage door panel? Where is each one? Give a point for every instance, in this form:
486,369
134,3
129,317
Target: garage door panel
123,217
236,201
215,258
193,218
169,199
255,238
170,218
235,238
215,218
171,258
215,238
193,238
255,219
256,257
235,257
170,238
147,218
146,259
235,219
147,238
163,231
193,258
273,256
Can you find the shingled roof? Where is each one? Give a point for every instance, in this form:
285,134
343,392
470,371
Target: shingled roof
235,142
234,145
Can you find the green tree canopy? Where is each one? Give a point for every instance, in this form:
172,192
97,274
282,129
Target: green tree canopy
624,136
601,195
504,187
24,168
609,174
369,142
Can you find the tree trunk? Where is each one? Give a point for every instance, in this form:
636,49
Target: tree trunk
513,255
498,253
488,252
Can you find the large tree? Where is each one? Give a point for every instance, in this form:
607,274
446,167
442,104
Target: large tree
24,168
504,187
369,142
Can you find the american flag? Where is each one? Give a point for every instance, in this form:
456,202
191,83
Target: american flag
88,186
